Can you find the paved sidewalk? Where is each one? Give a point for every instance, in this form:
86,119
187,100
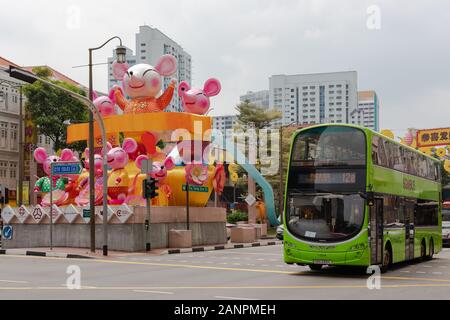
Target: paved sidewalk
85,253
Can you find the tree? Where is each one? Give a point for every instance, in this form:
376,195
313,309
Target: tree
260,118
50,107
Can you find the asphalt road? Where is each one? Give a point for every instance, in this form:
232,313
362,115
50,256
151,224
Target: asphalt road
241,274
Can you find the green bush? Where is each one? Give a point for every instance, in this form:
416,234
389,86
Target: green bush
237,216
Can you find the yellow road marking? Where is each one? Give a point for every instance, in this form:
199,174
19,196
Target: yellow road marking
227,268
162,265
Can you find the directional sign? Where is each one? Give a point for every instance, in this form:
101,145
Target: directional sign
86,213
60,168
7,232
250,200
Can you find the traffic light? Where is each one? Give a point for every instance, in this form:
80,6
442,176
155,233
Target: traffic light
149,188
6,195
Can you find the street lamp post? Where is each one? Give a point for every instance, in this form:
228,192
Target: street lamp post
31,78
121,57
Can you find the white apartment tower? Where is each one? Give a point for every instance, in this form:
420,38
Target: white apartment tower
259,98
224,123
314,98
151,44
368,112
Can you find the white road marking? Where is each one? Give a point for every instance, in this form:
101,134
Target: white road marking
406,271
421,272
156,292
14,281
233,298
264,265
427,266
437,272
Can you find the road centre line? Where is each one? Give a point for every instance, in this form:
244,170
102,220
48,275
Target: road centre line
299,273
14,281
156,292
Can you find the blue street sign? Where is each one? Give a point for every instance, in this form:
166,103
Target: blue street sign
7,232
59,168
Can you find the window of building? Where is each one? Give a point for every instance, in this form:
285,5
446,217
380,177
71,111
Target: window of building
13,170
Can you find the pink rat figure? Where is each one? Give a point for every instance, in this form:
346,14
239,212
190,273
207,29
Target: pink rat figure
143,83
159,172
197,100
58,185
83,187
118,180
105,104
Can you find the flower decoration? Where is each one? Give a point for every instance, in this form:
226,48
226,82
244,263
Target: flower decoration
196,174
447,165
441,152
219,179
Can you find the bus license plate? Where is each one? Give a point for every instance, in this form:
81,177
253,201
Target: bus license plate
322,262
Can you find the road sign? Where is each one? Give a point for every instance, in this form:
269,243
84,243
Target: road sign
86,213
7,232
59,168
250,200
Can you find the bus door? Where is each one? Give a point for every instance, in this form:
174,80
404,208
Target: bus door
376,232
409,230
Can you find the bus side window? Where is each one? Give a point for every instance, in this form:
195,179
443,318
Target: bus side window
375,141
382,159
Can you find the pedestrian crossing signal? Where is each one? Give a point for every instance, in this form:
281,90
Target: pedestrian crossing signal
149,188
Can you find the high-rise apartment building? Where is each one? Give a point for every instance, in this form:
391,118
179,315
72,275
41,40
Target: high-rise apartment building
224,123
368,112
259,98
151,44
314,98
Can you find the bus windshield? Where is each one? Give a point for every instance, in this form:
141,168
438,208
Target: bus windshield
332,145
325,217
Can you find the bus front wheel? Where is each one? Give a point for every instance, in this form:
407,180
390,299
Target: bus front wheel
387,259
315,267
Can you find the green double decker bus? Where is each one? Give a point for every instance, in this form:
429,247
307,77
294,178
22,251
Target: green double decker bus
357,198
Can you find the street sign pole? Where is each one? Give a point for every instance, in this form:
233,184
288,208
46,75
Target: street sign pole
60,168
51,205
187,205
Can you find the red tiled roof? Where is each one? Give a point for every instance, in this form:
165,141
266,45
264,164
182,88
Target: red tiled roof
5,62
56,75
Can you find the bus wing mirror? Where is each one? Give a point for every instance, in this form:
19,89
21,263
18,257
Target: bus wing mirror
370,199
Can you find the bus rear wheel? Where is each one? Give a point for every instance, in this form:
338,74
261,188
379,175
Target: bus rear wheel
431,254
423,250
315,267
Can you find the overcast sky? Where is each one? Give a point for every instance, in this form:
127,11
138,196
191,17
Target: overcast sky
243,42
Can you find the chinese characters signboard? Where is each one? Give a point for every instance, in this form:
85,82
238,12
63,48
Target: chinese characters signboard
433,137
